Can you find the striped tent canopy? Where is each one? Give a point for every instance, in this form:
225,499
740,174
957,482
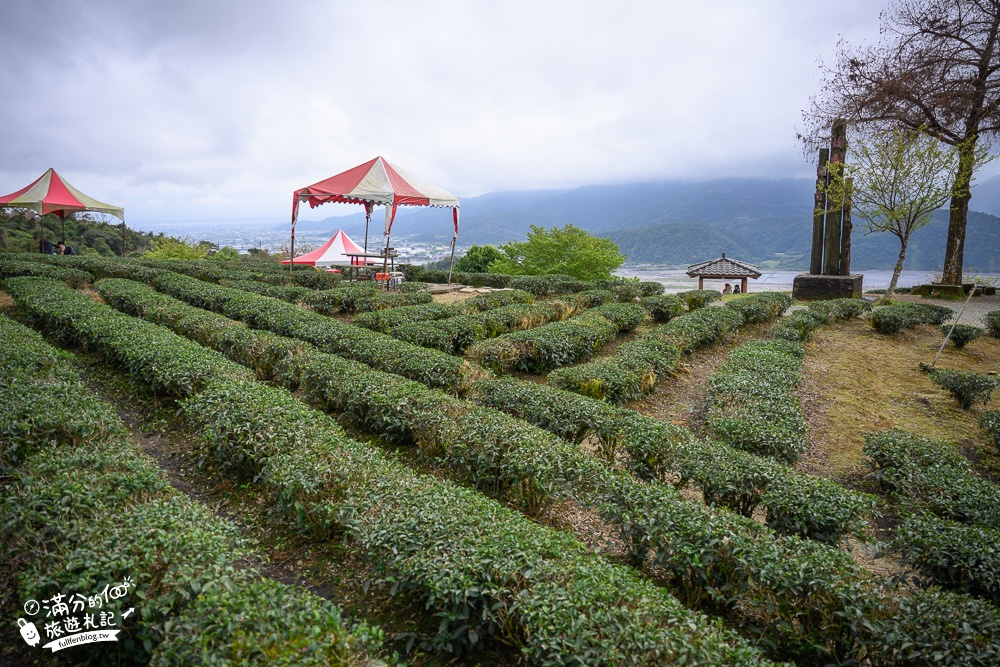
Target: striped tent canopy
50,193
376,182
331,253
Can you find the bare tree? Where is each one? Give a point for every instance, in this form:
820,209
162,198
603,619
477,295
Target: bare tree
936,69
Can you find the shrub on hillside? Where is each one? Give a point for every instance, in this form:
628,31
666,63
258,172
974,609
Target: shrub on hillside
962,334
992,322
990,422
965,386
699,298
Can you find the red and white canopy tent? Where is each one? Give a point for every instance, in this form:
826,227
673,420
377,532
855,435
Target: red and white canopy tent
331,253
50,193
374,183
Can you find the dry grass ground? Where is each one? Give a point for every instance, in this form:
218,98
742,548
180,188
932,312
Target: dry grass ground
856,380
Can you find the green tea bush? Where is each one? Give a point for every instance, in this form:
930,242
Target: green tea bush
424,365
699,298
44,400
469,567
761,307
290,626
181,367
491,300
894,318
496,280
260,351
966,387
664,307
752,400
935,627
992,323
955,555
635,367
551,284
558,343
86,508
961,334
796,504
385,320
989,421
842,309
10,268
928,475
515,453
650,288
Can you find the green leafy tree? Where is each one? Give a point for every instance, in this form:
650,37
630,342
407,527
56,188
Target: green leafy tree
565,250
226,254
478,259
168,247
895,181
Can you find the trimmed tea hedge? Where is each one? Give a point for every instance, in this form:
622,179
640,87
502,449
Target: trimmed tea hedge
961,335
635,367
258,350
664,307
10,268
699,298
752,402
380,351
558,343
956,555
894,318
924,474
796,504
89,509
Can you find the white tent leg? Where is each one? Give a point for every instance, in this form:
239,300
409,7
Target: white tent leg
451,267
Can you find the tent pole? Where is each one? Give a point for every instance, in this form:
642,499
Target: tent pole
385,261
452,266
368,217
41,221
124,247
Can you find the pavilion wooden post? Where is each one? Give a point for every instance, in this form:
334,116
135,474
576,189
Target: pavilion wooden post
743,285
701,282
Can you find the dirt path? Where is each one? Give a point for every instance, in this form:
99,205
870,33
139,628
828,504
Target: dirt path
680,397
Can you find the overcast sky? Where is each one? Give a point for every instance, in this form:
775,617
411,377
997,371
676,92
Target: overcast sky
209,109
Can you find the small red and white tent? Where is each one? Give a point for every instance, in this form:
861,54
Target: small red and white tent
50,193
331,253
373,183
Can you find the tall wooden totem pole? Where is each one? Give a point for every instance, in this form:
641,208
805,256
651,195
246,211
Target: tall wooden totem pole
829,274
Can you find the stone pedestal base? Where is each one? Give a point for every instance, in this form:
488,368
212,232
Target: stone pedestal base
808,287
939,291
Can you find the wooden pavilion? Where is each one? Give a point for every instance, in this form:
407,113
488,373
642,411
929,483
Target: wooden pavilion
723,268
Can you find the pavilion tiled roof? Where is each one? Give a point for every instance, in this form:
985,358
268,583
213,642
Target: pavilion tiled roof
723,267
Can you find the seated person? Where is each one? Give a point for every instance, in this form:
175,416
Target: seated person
65,249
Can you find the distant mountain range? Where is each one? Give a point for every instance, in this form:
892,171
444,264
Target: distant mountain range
768,222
